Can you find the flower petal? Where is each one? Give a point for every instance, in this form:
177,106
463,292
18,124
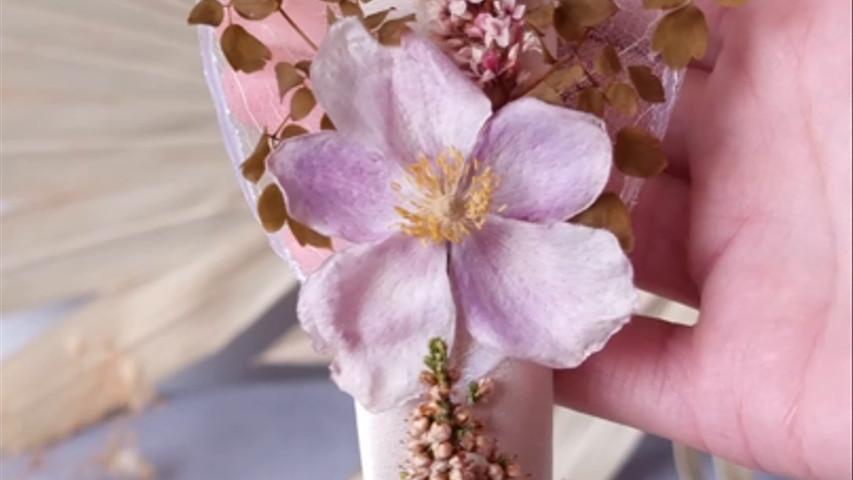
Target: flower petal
407,100
553,294
377,305
553,162
337,187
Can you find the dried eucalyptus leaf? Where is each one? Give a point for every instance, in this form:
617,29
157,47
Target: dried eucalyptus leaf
206,12
638,153
305,236
588,13
304,66
326,123
591,100
373,21
566,26
256,9
292,130
243,51
681,36
542,17
271,208
610,213
302,103
663,4
607,62
648,84
288,77
623,98
391,32
565,78
331,18
255,166
732,3
351,9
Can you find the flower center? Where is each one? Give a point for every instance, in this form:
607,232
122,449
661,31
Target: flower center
451,197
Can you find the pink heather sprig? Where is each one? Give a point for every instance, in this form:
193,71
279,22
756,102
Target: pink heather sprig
486,38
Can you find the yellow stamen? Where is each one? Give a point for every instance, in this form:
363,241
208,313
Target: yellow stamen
453,197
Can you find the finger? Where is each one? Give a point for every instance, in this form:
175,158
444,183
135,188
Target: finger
685,116
660,220
640,379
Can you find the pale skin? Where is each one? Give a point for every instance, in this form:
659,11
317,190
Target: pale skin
752,224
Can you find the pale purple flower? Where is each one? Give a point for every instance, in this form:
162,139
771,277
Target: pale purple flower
455,219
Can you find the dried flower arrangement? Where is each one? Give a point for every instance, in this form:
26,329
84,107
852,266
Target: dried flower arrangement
474,142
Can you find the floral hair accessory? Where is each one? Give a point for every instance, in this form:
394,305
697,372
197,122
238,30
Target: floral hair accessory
449,209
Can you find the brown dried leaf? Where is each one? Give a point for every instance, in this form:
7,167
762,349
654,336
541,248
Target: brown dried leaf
326,123
331,18
591,100
243,51
288,77
588,13
542,17
255,166
566,26
681,36
206,12
648,84
302,103
732,3
373,21
610,213
305,236
607,63
547,94
304,66
256,9
391,32
623,98
663,4
565,78
292,130
271,208
638,153
351,9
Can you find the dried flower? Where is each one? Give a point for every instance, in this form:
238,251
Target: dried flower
445,204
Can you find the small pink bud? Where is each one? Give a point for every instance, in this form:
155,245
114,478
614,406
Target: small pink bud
440,432
442,450
496,472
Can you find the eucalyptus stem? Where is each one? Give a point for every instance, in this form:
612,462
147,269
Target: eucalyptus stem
298,30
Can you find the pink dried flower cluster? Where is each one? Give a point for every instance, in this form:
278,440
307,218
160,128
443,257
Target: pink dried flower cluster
484,37
446,442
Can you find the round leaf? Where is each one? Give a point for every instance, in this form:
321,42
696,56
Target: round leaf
591,100
566,26
681,36
648,84
287,77
588,13
292,130
206,12
255,166
638,153
607,63
306,236
302,103
610,213
271,208
623,98
256,9
243,51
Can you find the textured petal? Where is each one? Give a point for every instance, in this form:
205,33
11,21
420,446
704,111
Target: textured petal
408,100
553,294
553,162
377,305
337,187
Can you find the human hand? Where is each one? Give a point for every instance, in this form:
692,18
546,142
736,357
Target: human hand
752,223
